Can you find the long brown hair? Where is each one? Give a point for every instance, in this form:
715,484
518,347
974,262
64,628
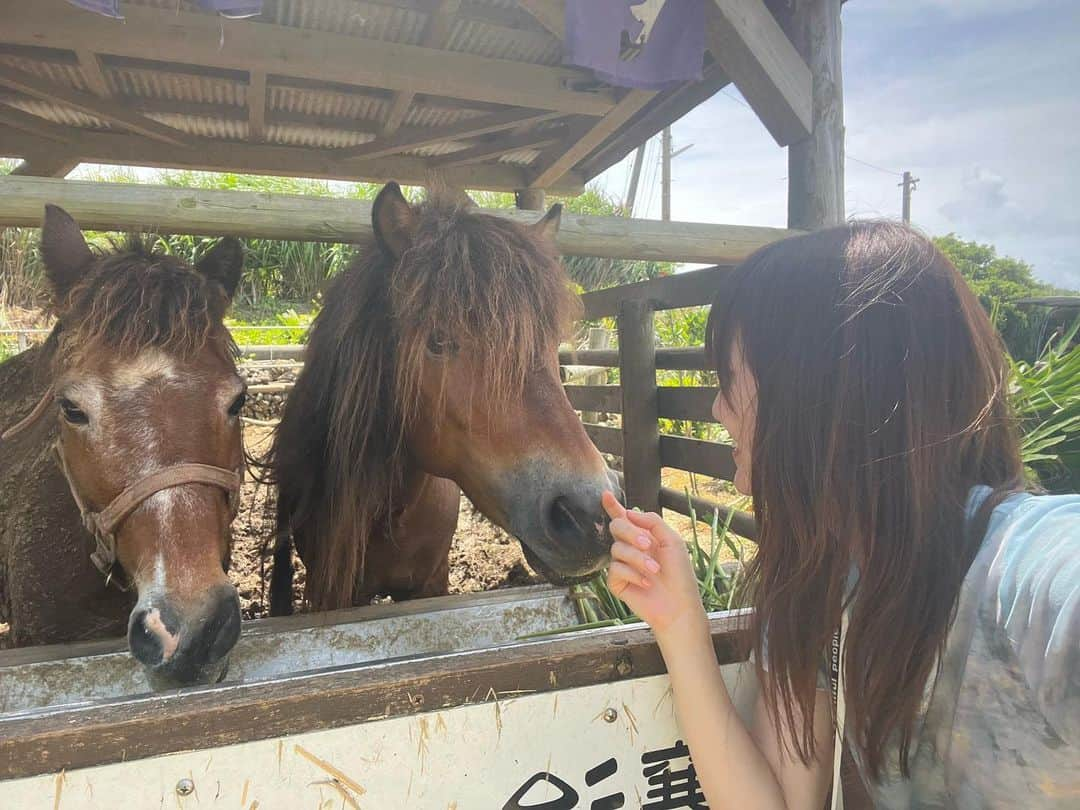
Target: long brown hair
881,403
339,455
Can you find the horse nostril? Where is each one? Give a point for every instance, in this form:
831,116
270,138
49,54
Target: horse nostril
149,637
563,517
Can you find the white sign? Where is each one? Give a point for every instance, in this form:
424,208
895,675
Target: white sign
600,747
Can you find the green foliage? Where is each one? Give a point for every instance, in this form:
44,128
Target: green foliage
293,329
998,281
1045,396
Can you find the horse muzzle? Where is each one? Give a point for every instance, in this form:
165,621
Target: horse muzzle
181,650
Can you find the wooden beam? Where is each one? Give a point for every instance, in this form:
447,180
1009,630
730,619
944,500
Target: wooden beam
557,164
748,43
90,65
663,111
47,164
437,31
549,13
499,147
250,45
289,161
121,206
256,99
34,125
816,163
415,138
90,105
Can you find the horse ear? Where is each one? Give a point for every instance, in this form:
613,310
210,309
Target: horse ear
224,263
394,220
547,227
63,250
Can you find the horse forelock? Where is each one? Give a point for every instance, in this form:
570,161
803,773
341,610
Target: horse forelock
133,298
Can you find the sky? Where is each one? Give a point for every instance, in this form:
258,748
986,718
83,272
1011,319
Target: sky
979,99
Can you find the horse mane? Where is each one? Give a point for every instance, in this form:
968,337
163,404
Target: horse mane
134,297
494,287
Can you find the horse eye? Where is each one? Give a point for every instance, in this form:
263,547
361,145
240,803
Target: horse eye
439,345
72,414
238,404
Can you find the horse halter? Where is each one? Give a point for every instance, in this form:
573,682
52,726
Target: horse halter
103,525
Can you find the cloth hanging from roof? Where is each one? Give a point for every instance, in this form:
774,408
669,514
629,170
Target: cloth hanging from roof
227,8
672,53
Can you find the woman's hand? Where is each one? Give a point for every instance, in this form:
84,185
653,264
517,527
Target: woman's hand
651,572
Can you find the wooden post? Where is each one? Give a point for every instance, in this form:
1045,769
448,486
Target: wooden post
816,163
640,428
529,199
599,338
21,338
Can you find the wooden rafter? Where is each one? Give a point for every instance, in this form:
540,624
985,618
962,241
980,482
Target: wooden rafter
561,160
34,125
499,147
47,164
248,158
256,99
404,141
748,43
549,13
90,105
437,31
654,117
249,45
90,65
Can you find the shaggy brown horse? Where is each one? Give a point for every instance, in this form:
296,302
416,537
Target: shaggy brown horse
434,364
121,462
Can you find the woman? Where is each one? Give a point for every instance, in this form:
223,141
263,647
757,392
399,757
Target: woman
865,392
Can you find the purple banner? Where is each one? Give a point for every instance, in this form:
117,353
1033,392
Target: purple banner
672,53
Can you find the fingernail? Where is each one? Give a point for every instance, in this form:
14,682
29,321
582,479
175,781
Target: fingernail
643,540
652,565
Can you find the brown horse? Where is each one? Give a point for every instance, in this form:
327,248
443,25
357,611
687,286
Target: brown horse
434,364
115,509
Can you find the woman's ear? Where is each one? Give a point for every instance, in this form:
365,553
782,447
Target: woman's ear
394,220
224,263
64,251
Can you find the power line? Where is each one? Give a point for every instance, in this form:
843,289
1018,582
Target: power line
872,166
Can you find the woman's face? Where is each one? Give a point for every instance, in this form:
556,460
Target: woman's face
739,416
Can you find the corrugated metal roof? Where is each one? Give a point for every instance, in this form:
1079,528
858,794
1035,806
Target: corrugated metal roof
326,103
141,82
231,129
481,39
57,114
289,134
372,20
60,72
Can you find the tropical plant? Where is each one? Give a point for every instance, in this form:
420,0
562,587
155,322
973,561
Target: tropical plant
1046,399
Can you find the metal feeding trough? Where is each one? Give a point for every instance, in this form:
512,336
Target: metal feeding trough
449,702
78,674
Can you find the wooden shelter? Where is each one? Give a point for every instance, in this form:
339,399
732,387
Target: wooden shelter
472,90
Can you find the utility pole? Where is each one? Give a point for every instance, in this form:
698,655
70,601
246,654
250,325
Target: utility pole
665,175
635,175
909,185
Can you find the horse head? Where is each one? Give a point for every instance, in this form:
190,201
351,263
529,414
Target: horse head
148,401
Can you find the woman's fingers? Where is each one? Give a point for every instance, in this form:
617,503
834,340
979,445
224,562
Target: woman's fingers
635,558
612,506
652,523
626,532
622,577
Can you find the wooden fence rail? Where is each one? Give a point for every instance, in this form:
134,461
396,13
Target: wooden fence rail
207,212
